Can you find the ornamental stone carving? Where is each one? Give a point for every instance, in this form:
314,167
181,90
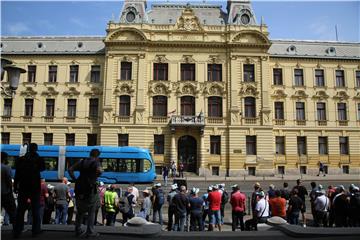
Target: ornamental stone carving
186,88
188,59
159,88
95,91
71,92
50,92
160,59
248,91
357,96
342,95
213,89
29,92
279,94
321,95
188,21
300,94
124,87
214,59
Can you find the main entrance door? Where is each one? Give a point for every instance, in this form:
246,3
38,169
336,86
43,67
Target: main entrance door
187,153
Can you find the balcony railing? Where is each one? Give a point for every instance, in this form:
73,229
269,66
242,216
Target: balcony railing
215,120
124,119
196,121
322,122
301,122
250,121
49,118
161,119
27,118
6,118
70,119
343,122
93,119
279,121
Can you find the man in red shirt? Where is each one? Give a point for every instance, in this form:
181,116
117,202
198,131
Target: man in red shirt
214,199
278,205
237,202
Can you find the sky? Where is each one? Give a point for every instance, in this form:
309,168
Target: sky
301,20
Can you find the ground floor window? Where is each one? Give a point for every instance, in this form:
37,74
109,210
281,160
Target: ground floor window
346,169
281,169
303,169
215,171
252,171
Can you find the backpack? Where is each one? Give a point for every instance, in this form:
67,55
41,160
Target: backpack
224,197
160,198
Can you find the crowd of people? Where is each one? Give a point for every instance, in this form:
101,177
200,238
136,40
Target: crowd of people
187,210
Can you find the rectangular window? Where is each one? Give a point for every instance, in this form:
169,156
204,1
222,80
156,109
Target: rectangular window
300,111
249,73
215,72
301,146
281,170
7,107
299,77
215,145
357,78
71,113
160,106
31,73
279,110
252,171
303,169
92,139
124,106
344,145
278,76
321,111
93,107
29,107
50,108
250,145
340,78
280,145
358,111
319,78
323,145
215,171
52,73
95,74
74,72
215,107
70,139
48,139
26,137
159,144
250,107
125,71
5,138
342,111
123,140
187,72
160,71
345,169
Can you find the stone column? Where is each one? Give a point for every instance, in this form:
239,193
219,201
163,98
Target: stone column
140,91
201,153
173,147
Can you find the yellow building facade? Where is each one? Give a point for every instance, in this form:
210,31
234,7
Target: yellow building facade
195,85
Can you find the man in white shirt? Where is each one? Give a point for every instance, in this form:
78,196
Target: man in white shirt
321,207
261,212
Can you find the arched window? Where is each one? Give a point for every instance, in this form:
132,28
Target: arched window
215,107
250,107
159,106
188,106
124,109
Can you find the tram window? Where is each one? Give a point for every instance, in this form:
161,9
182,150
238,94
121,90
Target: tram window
51,163
109,165
147,165
72,161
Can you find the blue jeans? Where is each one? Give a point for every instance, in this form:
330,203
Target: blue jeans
180,219
215,217
294,218
158,210
61,213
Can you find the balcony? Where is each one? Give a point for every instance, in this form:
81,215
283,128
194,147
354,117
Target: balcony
279,121
70,119
190,121
27,118
343,123
215,120
93,119
322,123
301,122
49,118
6,118
250,121
123,119
160,119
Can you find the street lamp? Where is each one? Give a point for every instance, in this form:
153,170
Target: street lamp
13,73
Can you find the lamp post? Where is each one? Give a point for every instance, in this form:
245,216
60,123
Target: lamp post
13,73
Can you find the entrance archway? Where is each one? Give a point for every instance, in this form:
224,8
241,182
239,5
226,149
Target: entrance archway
187,153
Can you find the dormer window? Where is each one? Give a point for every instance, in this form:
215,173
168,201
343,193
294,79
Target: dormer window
291,49
331,51
130,16
245,19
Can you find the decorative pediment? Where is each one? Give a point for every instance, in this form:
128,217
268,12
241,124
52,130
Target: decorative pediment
124,87
188,21
186,88
320,95
213,89
300,94
214,59
53,62
74,62
126,58
29,92
50,92
279,94
248,91
127,35
188,59
251,37
32,62
249,60
72,92
160,59
342,95
159,88
95,91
